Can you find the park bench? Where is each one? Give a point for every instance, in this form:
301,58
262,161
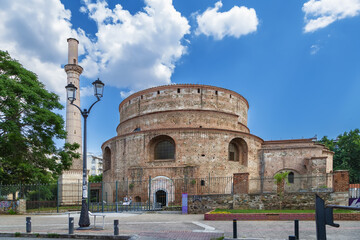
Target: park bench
91,214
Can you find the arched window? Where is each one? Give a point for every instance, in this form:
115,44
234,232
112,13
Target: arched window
238,151
233,152
291,177
107,159
162,148
137,199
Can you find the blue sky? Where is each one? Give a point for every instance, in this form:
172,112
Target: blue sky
296,62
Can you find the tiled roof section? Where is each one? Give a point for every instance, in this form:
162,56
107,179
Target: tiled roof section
303,140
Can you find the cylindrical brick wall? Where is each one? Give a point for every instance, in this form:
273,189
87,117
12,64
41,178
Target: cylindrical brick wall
204,148
184,97
201,121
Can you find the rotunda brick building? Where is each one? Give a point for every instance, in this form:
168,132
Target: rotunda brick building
196,131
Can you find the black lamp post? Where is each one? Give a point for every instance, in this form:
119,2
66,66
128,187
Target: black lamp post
84,221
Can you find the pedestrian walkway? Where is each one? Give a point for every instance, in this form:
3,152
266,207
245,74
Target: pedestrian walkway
147,226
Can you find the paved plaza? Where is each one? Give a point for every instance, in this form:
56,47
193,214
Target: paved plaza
146,226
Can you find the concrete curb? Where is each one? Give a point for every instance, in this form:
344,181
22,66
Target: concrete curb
61,235
276,216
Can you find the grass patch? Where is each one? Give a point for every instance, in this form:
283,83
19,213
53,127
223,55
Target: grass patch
226,211
53,235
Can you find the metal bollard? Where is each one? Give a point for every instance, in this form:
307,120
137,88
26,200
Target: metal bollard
116,227
234,229
296,225
292,238
71,225
28,224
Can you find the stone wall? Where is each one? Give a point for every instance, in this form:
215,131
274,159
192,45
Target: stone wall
301,156
21,209
206,203
19,206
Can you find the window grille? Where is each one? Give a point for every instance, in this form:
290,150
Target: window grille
164,150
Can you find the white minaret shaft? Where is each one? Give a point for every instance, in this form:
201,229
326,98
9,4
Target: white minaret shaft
73,115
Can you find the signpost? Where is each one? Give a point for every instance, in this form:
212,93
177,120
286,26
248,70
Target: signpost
184,203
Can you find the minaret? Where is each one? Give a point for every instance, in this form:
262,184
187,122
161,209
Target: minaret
72,179
73,115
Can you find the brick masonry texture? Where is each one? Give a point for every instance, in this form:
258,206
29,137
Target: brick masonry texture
201,121
341,181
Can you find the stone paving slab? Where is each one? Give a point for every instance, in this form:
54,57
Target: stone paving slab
172,226
44,236
182,235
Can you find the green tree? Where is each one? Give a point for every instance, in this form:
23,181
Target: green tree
281,177
28,128
95,178
347,153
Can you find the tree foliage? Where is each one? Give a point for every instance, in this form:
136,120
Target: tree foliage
347,153
281,177
95,178
28,127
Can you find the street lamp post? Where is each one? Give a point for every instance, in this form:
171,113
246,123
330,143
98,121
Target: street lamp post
84,221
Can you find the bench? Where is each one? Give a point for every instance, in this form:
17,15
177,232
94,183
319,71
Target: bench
91,214
98,215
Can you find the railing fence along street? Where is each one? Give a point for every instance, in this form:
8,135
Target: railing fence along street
147,194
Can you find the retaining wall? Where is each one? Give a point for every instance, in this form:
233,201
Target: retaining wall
206,203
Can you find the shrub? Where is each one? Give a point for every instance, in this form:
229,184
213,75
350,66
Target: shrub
11,212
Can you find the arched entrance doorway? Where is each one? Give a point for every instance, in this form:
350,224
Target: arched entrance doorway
162,190
161,197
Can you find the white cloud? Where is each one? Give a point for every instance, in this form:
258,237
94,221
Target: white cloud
35,32
129,51
125,94
135,51
236,22
314,49
321,13
87,91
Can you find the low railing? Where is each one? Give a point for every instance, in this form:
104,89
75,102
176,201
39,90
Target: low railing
120,207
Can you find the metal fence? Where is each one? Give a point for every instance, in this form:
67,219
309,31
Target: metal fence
354,191
163,190
144,195
304,183
147,194
120,207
